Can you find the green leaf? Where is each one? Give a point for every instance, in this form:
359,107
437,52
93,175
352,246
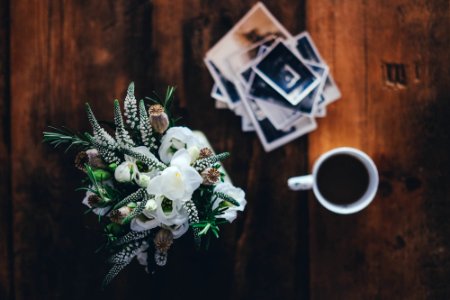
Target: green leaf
64,136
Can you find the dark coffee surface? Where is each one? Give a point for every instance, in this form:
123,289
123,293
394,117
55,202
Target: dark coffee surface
342,179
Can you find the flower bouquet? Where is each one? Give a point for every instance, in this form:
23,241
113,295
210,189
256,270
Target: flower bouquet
151,182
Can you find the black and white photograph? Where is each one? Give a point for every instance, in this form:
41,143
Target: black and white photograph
227,87
330,92
246,122
246,73
279,111
306,47
217,94
321,112
247,56
308,50
270,137
309,104
285,71
257,25
281,117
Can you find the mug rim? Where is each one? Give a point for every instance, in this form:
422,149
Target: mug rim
365,199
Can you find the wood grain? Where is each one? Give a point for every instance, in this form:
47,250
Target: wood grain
67,53
389,58
395,248
64,54
6,257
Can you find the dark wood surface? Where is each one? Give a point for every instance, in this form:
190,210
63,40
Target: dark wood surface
390,59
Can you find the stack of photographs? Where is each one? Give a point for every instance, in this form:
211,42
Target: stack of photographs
277,83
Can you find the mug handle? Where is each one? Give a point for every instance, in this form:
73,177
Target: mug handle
301,183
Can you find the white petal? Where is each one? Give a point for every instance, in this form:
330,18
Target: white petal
101,211
155,185
194,152
181,158
138,224
179,230
172,183
177,138
141,179
125,172
192,179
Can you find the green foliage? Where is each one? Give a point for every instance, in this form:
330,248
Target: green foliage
64,136
107,193
208,218
130,129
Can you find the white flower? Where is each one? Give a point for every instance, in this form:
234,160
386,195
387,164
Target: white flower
178,230
176,138
176,215
101,211
234,192
142,179
175,219
151,205
125,171
194,152
142,223
178,181
128,170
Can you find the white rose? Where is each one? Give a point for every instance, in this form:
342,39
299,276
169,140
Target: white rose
178,181
176,138
237,194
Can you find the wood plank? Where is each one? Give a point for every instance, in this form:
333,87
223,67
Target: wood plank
63,54
254,258
67,53
6,283
398,247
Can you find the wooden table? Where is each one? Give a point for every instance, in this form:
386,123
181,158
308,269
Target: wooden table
391,61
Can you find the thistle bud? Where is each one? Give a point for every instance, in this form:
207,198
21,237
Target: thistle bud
205,152
89,157
94,200
118,215
81,160
95,160
158,118
210,176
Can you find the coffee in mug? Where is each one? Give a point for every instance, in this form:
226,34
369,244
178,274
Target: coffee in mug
344,180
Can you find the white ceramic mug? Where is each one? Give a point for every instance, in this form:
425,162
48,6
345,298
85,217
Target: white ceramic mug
310,181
